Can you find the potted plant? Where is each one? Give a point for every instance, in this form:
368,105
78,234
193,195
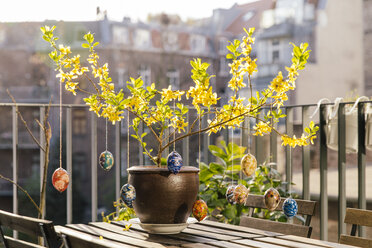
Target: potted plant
166,195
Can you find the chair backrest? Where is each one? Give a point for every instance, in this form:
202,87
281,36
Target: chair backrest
357,217
31,226
305,208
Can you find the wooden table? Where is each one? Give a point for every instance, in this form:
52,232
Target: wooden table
203,234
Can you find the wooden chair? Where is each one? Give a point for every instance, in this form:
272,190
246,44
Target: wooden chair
306,208
31,226
357,217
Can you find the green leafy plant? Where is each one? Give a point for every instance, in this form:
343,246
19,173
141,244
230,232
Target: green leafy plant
217,176
124,213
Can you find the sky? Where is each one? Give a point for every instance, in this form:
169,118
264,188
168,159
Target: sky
85,10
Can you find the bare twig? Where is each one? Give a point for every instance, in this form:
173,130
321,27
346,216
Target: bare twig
23,190
25,123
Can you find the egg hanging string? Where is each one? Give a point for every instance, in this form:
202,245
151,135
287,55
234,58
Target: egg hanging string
290,172
128,140
232,155
199,142
106,135
174,132
60,125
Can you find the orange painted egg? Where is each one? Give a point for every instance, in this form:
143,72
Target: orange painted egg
271,199
200,210
240,194
248,164
60,179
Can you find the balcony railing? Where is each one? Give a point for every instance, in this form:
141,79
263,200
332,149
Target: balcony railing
297,117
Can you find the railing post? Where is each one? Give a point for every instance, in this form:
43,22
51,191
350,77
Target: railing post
42,153
362,204
289,132
140,148
274,145
260,145
94,166
69,162
305,158
341,170
185,144
15,162
323,174
117,160
206,141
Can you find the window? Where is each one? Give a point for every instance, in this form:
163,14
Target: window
224,66
275,51
247,16
145,73
222,43
121,77
79,122
142,38
2,36
197,43
170,40
120,35
173,77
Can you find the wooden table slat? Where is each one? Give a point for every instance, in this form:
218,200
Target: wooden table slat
256,244
211,235
224,231
198,245
320,243
238,228
114,236
140,235
78,235
287,243
226,244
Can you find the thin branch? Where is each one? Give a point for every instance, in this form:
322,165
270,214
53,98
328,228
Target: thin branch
23,190
25,123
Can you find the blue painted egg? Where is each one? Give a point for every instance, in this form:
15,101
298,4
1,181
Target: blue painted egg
271,199
128,194
230,197
174,162
106,160
290,207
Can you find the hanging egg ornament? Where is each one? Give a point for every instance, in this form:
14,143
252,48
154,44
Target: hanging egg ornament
248,164
230,194
240,194
199,210
106,160
271,199
290,207
174,162
60,179
128,194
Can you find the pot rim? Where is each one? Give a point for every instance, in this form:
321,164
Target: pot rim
155,169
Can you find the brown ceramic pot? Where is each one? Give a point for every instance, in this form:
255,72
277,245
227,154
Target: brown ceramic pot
161,196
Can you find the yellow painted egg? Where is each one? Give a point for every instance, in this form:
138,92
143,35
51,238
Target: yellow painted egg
200,210
248,164
240,194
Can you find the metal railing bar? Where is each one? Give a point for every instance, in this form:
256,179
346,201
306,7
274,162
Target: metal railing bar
323,167
94,166
15,162
305,158
341,169
273,145
362,204
140,148
206,142
186,143
259,147
69,162
289,132
117,161
42,154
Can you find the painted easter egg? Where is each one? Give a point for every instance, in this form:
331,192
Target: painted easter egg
248,164
106,160
240,194
174,162
60,179
230,194
199,210
128,194
271,199
290,207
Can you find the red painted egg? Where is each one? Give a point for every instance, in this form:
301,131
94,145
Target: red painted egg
200,210
60,179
